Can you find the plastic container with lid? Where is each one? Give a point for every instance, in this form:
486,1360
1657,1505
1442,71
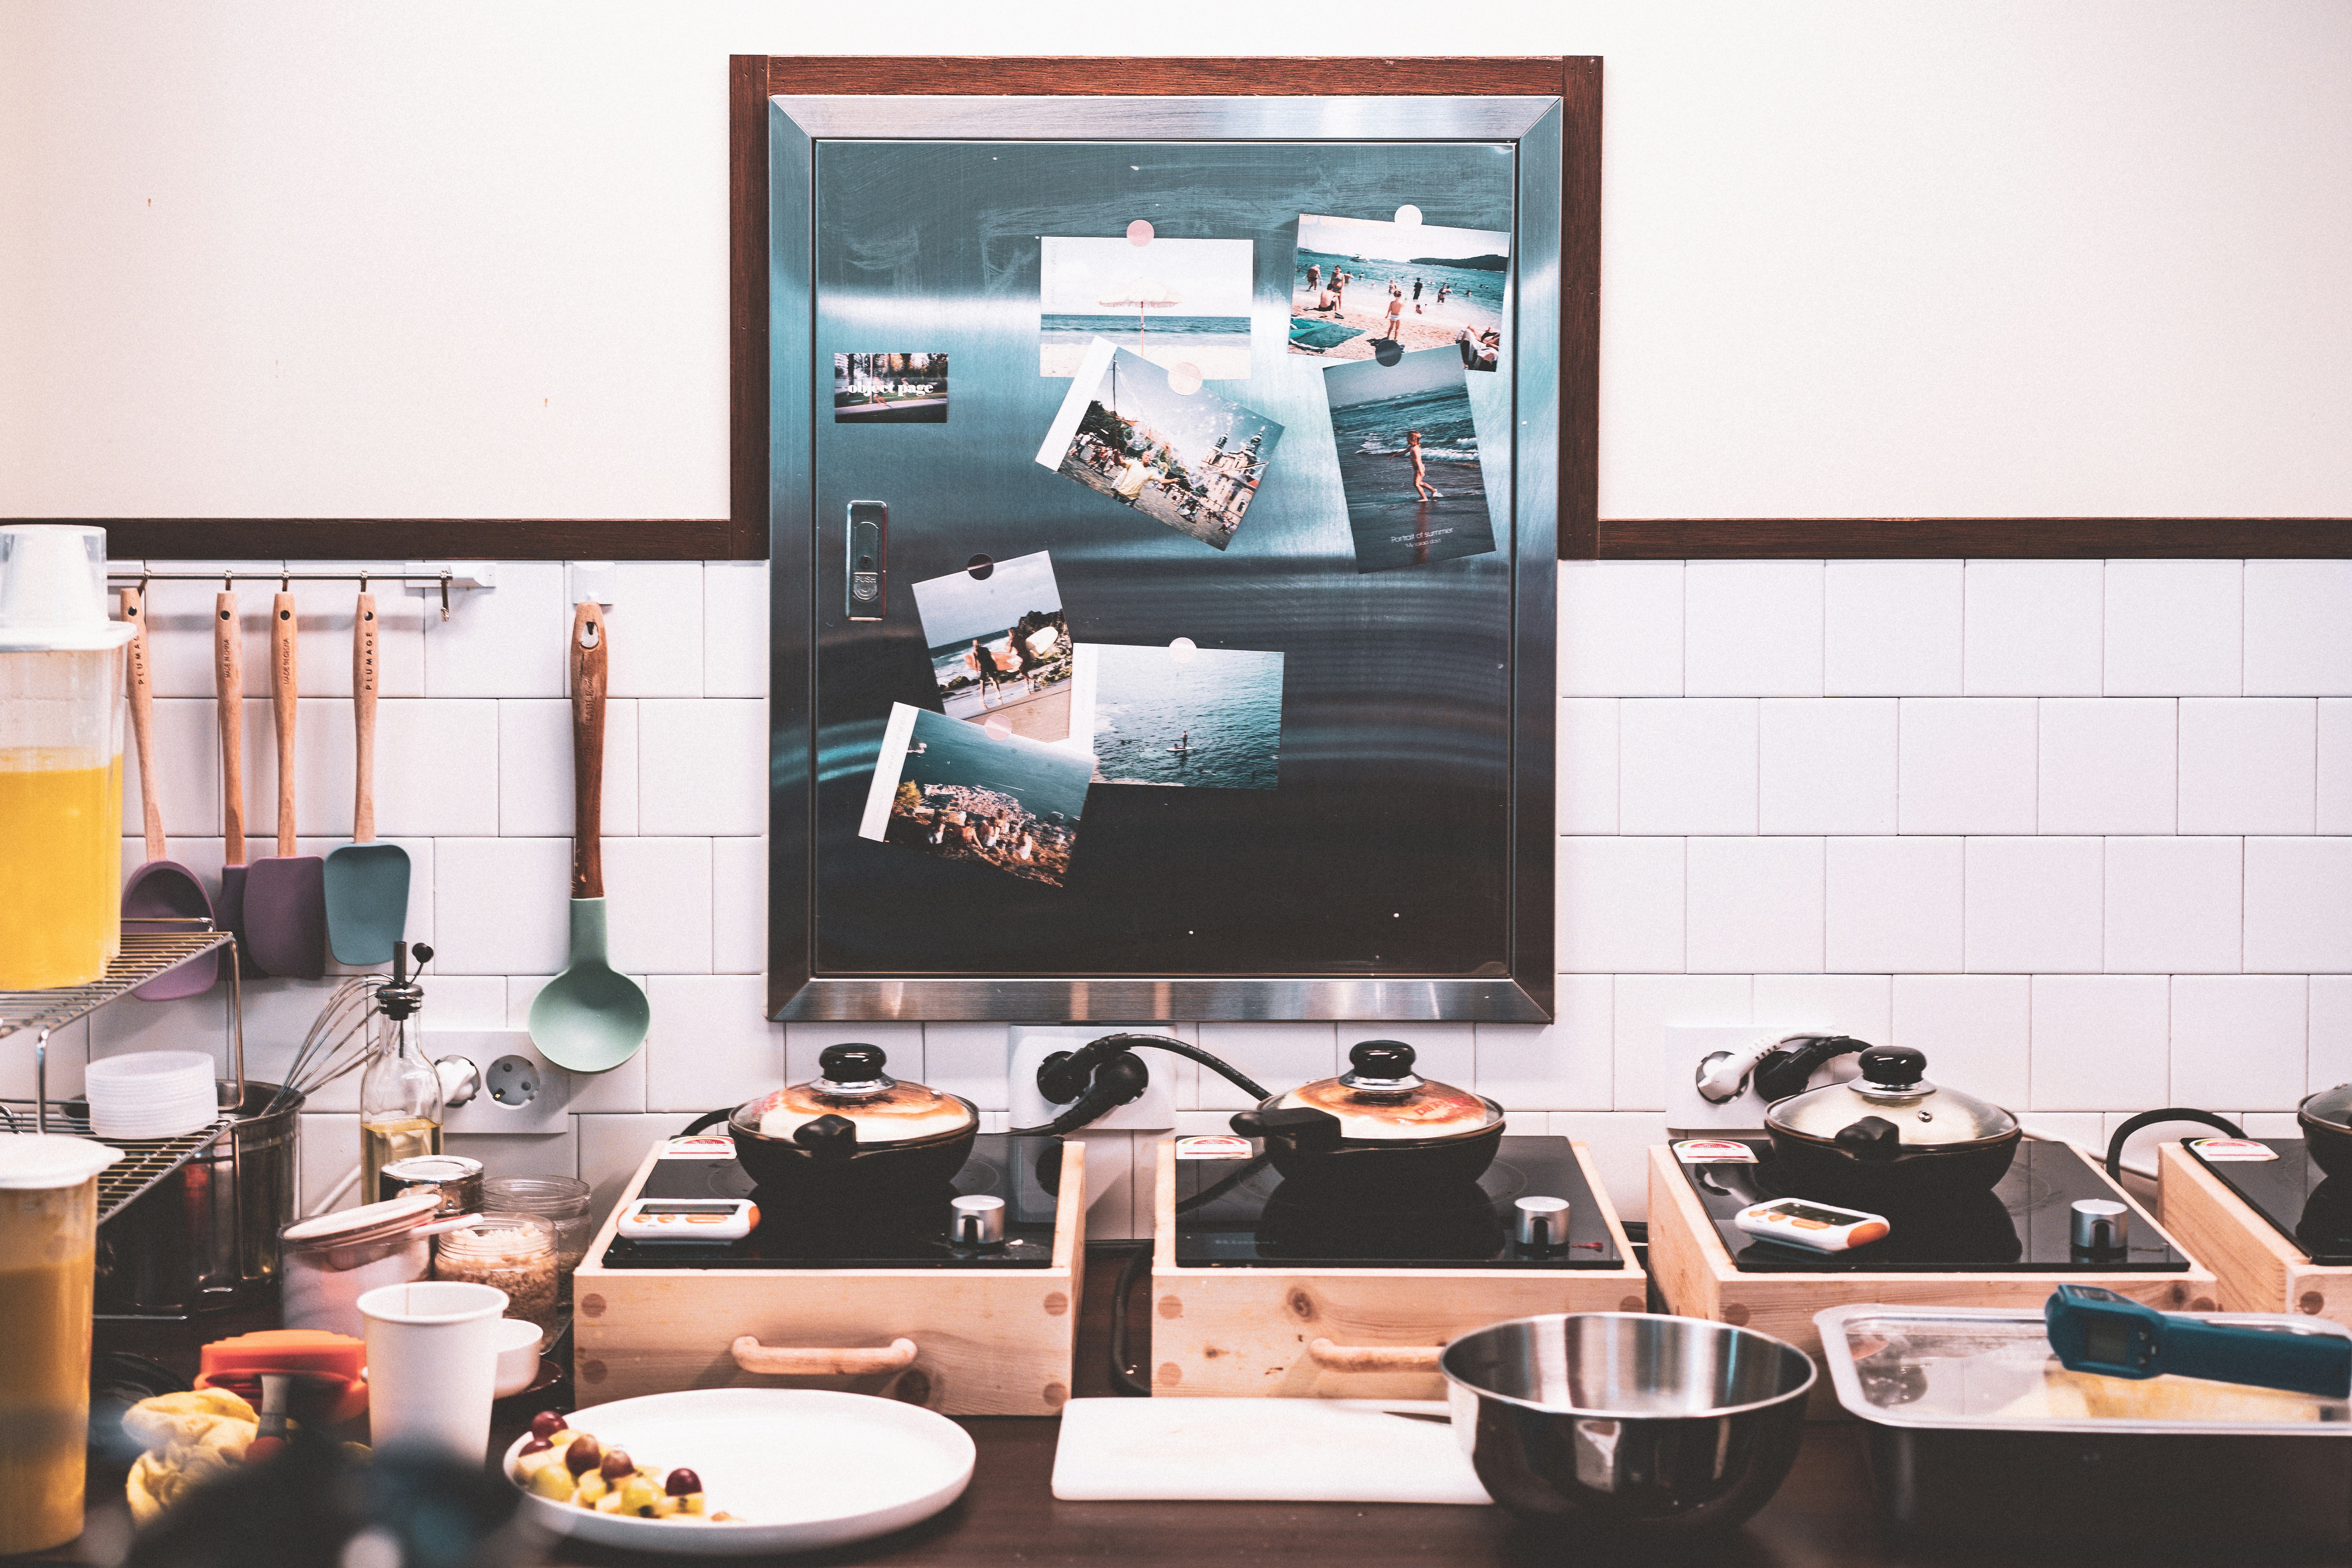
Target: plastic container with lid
48,1233
563,1203
61,706
510,1252
332,1261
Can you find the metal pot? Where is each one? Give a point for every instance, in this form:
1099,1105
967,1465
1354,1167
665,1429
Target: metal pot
853,1132
1889,1136
1626,1423
205,1238
1377,1126
2327,1121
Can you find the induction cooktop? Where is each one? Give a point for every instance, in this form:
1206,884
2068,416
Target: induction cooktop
2021,1225
1240,1214
912,1233
2294,1194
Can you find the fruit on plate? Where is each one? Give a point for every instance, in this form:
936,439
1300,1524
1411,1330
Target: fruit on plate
571,1467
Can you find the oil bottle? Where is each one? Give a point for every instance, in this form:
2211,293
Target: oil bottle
400,1092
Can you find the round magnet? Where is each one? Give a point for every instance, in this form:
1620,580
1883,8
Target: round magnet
1182,649
980,566
1139,233
1183,378
1387,352
1407,215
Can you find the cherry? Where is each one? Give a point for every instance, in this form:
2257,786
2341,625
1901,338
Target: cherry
683,1482
617,1466
546,1425
582,1456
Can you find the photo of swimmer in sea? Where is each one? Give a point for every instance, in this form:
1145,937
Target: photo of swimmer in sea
1409,460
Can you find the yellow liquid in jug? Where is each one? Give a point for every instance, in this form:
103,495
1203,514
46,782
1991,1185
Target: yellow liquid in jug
45,1304
60,872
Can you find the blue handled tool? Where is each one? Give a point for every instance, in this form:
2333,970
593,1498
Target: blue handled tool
2096,1331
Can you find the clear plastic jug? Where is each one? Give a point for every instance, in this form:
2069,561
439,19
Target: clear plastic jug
48,1229
62,706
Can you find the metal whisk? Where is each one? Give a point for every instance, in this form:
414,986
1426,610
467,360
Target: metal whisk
337,1041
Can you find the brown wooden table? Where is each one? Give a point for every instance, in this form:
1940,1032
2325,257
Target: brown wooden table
1821,1517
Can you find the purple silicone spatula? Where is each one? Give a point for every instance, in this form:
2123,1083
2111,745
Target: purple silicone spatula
228,695
286,895
161,890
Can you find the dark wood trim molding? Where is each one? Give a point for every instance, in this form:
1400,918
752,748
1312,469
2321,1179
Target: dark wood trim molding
1579,309
390,539
747,305
2044,538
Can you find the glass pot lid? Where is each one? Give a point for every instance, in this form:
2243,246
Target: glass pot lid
851,1084
2331,1108
1892,1086
1380,1095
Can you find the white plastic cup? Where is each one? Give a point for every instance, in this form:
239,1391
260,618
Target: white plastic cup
433,1363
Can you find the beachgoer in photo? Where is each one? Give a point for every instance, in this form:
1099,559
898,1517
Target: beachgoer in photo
1422,489
983,665
1314,278
1416,289
1131,483
1396,316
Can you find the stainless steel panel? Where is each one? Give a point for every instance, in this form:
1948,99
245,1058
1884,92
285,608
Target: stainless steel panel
1403,869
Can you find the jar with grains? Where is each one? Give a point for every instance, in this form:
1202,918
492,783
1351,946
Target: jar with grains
563,1202
512,1252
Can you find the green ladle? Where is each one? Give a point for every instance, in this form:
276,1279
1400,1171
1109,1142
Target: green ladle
590,1018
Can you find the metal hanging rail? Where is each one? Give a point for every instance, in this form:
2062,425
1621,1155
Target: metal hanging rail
476,576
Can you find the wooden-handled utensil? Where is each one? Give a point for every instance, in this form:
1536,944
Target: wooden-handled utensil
285,896
589,1018
366,882
162,889
228,699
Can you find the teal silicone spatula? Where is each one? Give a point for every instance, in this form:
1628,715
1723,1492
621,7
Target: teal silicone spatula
367,882
589,1018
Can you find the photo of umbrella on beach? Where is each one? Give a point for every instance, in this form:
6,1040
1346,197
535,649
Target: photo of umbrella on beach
1205,718
1409,460
1192,460
999,646
1175,301
889,389
956,792
1359,287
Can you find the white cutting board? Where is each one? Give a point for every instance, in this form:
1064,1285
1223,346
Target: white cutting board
1260,1450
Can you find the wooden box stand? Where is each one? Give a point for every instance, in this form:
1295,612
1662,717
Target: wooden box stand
2260,1271
1698,1278
1347,1333
963,1342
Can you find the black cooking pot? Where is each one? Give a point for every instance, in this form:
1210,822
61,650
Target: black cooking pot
2326,1120
1378,1127
852,1133
1889,1137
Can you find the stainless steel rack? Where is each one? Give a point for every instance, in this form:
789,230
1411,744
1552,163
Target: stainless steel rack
146,956
475,575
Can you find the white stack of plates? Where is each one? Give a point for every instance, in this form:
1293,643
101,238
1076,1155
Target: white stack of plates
151,1094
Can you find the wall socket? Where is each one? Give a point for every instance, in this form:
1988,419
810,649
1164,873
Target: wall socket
1690,1049
1152,1111
522,1092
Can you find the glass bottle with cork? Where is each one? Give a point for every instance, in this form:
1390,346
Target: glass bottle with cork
400,1094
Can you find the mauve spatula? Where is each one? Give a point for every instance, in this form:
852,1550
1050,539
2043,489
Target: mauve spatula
228,696
286,895
160,888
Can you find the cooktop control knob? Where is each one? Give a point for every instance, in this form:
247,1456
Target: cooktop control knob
1541,1224
978,1221
2100,1226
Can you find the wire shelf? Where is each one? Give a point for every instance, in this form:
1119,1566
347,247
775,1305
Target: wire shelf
144,1163
144,956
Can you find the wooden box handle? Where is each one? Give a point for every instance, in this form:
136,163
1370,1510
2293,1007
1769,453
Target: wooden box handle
779,1361
1374,1358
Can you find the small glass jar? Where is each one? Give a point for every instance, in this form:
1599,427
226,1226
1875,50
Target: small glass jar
513,1252
563,1202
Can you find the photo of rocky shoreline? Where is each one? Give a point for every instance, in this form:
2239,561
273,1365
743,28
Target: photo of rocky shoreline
962,822
954,791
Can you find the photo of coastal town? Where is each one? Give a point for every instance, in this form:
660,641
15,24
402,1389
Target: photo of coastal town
1409,460
1191,460
954,791
889,389
1368,288
999,646
1199,718
1172,302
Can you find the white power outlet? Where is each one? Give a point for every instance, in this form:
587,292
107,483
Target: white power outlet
1693,1049
522,1091
1154,1111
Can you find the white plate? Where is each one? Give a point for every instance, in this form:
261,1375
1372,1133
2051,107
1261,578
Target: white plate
799,1468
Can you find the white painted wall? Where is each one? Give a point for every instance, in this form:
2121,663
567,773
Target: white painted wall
2082,829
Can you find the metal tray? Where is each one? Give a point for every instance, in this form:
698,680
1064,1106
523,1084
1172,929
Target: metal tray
1952,1453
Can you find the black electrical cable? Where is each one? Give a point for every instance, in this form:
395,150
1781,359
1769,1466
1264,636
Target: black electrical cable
1108,1074
1123,1376
1086,1056
2150,1119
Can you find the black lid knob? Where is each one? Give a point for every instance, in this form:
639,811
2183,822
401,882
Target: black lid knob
851,1063
1894,1067
1381,1059
1872,1140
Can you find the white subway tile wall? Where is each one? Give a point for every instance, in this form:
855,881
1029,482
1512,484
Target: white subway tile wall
2081,831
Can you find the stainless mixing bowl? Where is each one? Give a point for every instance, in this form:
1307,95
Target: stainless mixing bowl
1627,1423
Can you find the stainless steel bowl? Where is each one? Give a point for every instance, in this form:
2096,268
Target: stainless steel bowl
1628,1424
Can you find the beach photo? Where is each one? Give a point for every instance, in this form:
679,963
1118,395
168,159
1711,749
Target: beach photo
999,646
1409,459
1173,302
1361,286
1203,718
1191,460
955,791
889,389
